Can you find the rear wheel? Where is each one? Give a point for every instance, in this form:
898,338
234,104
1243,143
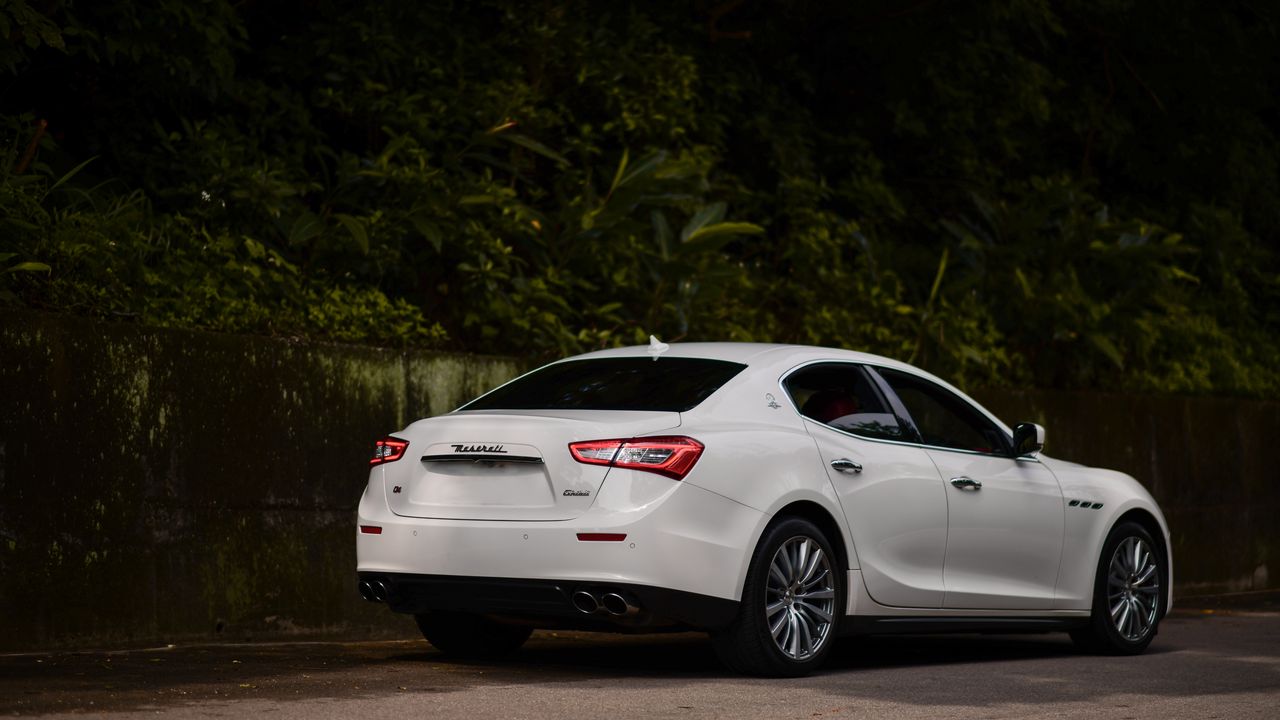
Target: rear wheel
791,603
1128,601
470,636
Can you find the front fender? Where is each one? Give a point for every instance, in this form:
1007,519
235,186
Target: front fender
1102,497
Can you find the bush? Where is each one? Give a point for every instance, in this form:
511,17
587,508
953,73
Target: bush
1006,192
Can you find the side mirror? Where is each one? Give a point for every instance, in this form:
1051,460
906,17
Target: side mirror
1028,439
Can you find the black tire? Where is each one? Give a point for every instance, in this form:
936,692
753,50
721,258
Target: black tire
471,637
747,645
1104,635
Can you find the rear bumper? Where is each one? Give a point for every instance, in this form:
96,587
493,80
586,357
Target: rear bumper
549,603
679,538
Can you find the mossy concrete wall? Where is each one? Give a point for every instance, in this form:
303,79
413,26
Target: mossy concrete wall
160,484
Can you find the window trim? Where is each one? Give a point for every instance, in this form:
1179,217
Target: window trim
895,402
892,398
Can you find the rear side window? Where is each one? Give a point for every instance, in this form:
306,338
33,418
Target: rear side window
842,396
669,384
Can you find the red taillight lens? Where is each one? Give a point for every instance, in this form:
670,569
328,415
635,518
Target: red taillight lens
673,456
602,537
595,452
388,449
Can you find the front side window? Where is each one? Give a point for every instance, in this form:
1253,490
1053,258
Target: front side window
943,418
842,396
669,384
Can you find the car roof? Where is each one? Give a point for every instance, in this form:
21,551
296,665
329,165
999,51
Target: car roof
751,353
781,358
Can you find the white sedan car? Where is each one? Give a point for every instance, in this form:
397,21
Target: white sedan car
773,496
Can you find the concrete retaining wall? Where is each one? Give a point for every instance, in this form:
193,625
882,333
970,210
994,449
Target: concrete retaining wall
159,484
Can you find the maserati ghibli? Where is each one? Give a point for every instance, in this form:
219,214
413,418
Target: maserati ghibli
775,497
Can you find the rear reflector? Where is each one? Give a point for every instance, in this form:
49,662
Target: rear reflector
602,537
388,449
672,456
371,529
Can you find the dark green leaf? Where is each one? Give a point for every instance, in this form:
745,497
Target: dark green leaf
529,143
355,226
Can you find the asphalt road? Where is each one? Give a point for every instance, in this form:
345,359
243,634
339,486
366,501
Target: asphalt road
1204,664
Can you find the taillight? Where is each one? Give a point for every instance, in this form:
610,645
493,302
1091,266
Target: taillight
670,456
388,449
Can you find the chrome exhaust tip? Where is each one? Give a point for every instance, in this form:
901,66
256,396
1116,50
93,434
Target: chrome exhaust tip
379,590
366,591
585,602
616,604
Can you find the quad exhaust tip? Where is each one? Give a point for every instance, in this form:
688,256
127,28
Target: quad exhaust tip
609,603
585,602
373,590
615,604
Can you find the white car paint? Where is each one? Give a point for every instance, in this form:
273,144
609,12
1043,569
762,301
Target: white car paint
913,545
901,551
1004,542
525,492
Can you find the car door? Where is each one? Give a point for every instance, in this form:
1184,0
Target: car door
892,496
1005,515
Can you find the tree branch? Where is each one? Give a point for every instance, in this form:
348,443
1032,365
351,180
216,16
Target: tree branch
30,154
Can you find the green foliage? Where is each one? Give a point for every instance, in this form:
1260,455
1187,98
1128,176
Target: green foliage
25,28
1005,191
106,253
1123,298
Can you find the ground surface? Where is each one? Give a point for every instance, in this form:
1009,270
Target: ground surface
1217,663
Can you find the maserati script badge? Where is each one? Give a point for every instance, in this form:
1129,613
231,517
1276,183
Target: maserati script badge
479,448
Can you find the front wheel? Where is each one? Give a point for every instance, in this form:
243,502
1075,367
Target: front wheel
791,603
471,637
1128,602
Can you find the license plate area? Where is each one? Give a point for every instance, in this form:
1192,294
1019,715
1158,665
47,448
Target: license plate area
454,483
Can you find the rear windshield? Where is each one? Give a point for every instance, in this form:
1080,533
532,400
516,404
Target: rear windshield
667,384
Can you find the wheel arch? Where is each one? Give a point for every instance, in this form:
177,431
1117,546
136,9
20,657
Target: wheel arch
820,516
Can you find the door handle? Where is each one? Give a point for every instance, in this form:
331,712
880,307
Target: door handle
845,465
966,483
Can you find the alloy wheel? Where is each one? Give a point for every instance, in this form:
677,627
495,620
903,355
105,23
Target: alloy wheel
1133,589
800,598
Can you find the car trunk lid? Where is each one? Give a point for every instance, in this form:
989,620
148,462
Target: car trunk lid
507,464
